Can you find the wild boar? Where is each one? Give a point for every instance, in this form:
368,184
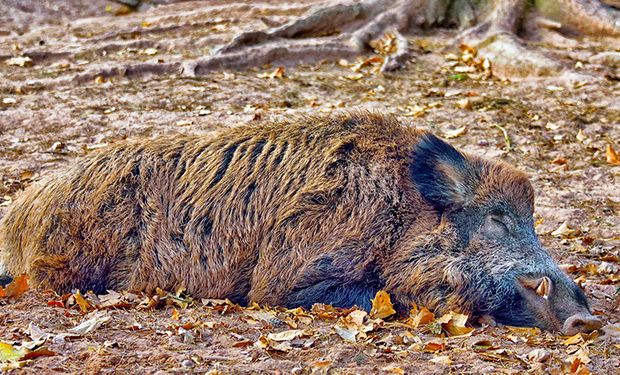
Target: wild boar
327,210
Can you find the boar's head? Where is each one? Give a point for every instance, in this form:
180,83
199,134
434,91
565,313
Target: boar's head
493,260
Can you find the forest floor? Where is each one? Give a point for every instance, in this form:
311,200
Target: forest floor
54,108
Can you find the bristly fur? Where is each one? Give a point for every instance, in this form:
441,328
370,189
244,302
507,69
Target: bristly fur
315,210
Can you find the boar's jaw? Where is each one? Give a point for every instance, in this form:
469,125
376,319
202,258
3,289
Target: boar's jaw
553,302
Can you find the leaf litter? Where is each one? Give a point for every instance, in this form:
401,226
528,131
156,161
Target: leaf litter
461,99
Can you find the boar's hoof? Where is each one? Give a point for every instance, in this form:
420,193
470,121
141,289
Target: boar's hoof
581,323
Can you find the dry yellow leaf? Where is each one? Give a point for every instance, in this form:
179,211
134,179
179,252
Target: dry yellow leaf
612,156
454,133
382,306
81,302
394,370
454,324
422,317
563,230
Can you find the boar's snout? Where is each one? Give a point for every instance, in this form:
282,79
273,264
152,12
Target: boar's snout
583,322
558,304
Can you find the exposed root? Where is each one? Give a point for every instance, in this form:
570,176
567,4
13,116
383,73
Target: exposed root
343,29
511,58
358,23
398,59
496,40
304,51
590,17
319,21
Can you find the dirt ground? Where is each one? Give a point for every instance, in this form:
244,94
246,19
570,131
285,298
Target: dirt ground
57,107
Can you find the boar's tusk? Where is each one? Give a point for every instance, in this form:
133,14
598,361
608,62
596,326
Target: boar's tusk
544,288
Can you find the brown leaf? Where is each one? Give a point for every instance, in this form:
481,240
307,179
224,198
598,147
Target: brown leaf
612,156
41,352
242,344
382,306
434,347
16,288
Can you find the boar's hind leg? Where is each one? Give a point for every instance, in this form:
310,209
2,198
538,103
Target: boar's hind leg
343,278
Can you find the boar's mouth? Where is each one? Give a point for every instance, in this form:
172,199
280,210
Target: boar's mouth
552,303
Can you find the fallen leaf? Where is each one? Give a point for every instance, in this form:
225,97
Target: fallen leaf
40,352
441,360
382,306
36,334
559,160
346,333
276,73
454,324
16,288
262,342
576,339
23,61
612,156
281,346
422,317
82,303
357,317
242,344
434,347
450,134
90,325
9,353
538,355
354,76
581,136
464,103
285,335
563,230
184,122
577,367
394,370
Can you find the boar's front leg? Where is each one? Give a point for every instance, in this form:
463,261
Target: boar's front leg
344,277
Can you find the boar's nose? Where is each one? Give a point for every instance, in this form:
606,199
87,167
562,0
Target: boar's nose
582,322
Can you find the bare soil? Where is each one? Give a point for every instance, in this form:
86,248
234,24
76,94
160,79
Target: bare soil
53,110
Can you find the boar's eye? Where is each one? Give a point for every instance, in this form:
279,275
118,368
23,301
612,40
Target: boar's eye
495,226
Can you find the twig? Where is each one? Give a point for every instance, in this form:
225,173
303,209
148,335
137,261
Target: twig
507,140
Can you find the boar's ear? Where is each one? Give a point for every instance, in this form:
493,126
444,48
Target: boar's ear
443,176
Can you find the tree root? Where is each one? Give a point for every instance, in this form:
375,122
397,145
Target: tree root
357,23
340,17
498,29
